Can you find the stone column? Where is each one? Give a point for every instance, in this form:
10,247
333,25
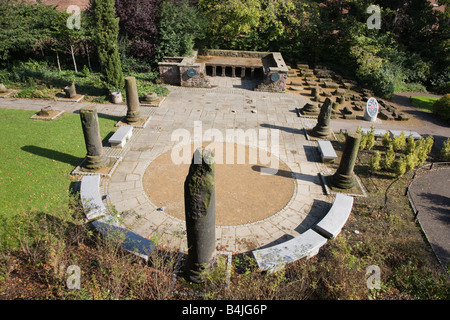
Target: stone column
223,71
233,72
315,92
344,177
214,71
70,91
95,158
322,128
133,106
199,200
242,72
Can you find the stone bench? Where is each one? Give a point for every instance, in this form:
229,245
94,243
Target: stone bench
396,133
378,133
120,137
276,257
128,240
90,197
331,225
326,151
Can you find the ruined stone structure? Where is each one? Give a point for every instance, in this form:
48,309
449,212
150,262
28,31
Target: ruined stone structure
192,71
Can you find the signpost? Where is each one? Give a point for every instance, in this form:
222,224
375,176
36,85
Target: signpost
372,108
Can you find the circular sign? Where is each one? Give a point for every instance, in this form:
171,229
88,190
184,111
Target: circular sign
372,107
191,73
274,77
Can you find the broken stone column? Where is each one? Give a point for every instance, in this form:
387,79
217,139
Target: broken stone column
133,106
70,91
199,199
3,88
95,158
344,177
322,128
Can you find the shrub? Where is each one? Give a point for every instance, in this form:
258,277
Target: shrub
441,108
389,157
370,139
387,139
410,145
374,161
400,167
399,142
445,151
410,161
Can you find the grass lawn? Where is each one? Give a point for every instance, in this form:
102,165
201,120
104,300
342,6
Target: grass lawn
36,159
424,103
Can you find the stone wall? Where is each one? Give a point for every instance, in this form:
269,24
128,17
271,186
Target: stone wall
232,53
169,73
199,80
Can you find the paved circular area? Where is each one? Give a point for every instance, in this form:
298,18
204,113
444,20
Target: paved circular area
243,194
432,199
222,110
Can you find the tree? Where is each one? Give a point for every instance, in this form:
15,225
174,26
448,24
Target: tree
106,33
230,18
139,20
180,25
24,28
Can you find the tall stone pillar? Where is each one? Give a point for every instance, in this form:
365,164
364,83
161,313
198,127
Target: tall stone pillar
199,199
322,129
95,158
133,106
344,177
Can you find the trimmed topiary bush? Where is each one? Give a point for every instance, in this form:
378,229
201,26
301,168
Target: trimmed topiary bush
441,108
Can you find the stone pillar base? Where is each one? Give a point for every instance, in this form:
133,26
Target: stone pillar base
343,181
95,162
322,132
133,116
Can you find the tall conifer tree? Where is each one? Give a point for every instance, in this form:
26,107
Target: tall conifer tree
106,33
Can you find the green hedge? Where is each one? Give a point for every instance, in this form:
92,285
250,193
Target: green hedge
441,108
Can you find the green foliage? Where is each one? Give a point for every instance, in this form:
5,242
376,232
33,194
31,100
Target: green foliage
230,18
441,108
370,139
374,161
399,142
400,166
410,145
180,26
387,139
24,27
445,151
410,161
106,33
389,157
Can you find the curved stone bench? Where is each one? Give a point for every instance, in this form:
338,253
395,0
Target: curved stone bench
107,225
91,199
307,244
331,225
276,257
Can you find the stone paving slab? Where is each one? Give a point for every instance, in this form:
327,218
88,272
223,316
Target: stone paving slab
182,107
